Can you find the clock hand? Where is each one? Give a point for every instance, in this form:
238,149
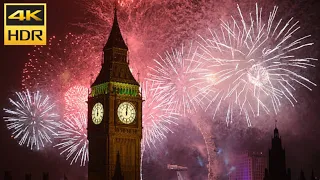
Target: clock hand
127,110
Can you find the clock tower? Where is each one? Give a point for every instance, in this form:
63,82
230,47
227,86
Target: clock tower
114,116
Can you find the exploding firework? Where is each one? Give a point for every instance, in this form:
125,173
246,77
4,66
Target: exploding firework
75,100
255,65
147,26
32,119
156,118
72,135
61,64
178,78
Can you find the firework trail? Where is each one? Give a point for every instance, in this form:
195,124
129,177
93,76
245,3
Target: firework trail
32,119
72,136
255,65
178,77
75,100
156,118
61,64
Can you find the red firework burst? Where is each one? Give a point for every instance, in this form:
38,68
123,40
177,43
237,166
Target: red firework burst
75,100
61,64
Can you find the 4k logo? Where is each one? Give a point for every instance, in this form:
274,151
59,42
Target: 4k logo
25,24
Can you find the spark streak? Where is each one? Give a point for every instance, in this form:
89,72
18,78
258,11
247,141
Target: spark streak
73,139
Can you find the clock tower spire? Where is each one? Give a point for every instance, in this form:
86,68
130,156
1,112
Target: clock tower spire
115,37
114,115
115,66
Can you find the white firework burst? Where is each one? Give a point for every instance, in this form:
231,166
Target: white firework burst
178,78
156,118
255,63
72,136
32,119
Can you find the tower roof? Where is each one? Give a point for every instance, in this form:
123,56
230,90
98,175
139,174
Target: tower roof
115,37
115,67
276,132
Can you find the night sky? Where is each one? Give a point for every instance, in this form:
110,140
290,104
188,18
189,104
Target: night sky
299,126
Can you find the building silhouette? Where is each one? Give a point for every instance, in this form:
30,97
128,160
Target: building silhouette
7,175
115,115
249,166
302,177
277,160
313,177
28,176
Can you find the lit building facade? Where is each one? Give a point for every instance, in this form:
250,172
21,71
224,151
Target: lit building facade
249,166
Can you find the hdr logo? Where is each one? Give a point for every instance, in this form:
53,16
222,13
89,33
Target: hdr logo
25,24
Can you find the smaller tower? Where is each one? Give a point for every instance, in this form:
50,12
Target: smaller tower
45,176
7,175
277,159
302,177
312,176
28,176
289,174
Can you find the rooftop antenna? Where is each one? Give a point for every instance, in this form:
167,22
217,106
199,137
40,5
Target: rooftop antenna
275,123
115,5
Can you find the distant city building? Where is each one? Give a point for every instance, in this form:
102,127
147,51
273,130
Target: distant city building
277,160
28,176
313,177
7,175
253,165
302,177
249,166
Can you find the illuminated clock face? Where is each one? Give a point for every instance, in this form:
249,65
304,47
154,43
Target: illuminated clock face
97,113
126,112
